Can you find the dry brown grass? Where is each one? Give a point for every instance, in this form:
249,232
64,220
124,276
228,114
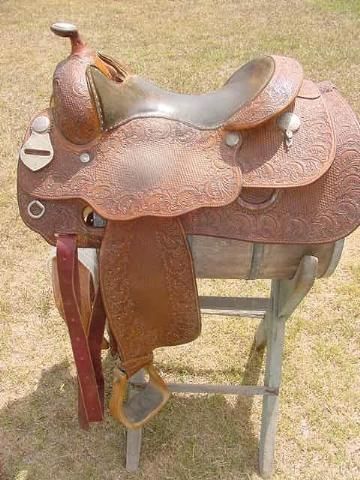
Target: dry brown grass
187,45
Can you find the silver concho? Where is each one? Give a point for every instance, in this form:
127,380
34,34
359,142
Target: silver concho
233,138
289,123
85,157
41,124
37,151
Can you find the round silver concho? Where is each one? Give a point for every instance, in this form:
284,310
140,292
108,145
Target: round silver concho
85,157
233,138
41,124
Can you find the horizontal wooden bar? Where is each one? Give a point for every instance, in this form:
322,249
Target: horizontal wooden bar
253,307
245,390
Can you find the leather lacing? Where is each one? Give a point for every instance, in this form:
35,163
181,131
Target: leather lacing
119,71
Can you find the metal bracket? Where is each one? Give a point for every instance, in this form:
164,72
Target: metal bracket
37,151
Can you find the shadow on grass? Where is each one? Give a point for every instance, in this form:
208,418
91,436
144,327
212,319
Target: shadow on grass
194,437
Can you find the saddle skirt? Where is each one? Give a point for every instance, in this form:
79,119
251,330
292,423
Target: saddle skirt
118,163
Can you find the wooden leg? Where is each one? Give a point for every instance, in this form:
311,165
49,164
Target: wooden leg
286,296
260,335
133,449
134,437
275,328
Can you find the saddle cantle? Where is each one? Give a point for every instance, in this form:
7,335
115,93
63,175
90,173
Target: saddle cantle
119,164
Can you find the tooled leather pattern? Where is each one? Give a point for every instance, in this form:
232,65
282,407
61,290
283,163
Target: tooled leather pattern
293,218
324,211
74,112
165,168
309,89
147,167
178,267
277,95
266,161
150,299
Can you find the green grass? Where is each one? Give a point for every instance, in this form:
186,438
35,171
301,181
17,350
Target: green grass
347,7
188,46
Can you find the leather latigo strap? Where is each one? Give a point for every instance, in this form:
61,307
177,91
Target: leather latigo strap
86,292
150,298
97,342
86,350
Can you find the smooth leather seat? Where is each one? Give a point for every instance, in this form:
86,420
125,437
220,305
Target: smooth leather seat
136,96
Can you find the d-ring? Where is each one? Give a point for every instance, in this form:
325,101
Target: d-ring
36,203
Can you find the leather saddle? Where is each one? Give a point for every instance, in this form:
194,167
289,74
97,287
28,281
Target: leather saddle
118,164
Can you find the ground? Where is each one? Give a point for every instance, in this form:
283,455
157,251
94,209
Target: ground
189,46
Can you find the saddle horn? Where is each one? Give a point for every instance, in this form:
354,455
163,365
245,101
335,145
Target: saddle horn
64,29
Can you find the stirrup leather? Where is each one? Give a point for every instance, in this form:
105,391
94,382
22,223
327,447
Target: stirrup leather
143,405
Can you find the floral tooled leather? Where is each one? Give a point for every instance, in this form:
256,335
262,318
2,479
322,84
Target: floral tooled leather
324,211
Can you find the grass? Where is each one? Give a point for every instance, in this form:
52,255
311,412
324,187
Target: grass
189,46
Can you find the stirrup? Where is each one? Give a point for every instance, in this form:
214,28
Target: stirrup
143,405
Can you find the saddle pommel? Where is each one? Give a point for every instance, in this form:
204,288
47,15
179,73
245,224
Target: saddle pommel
73,110
65,29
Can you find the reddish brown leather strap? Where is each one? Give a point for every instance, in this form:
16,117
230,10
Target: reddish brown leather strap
95,337
66,255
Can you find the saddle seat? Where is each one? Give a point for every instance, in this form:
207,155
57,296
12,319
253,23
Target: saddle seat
250,96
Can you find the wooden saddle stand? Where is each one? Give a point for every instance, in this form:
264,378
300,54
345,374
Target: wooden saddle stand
263,172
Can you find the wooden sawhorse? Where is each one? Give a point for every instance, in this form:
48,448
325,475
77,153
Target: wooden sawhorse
274,311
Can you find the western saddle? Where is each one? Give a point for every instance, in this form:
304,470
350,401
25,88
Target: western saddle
118,164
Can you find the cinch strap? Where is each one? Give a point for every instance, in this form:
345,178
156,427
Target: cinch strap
86,351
